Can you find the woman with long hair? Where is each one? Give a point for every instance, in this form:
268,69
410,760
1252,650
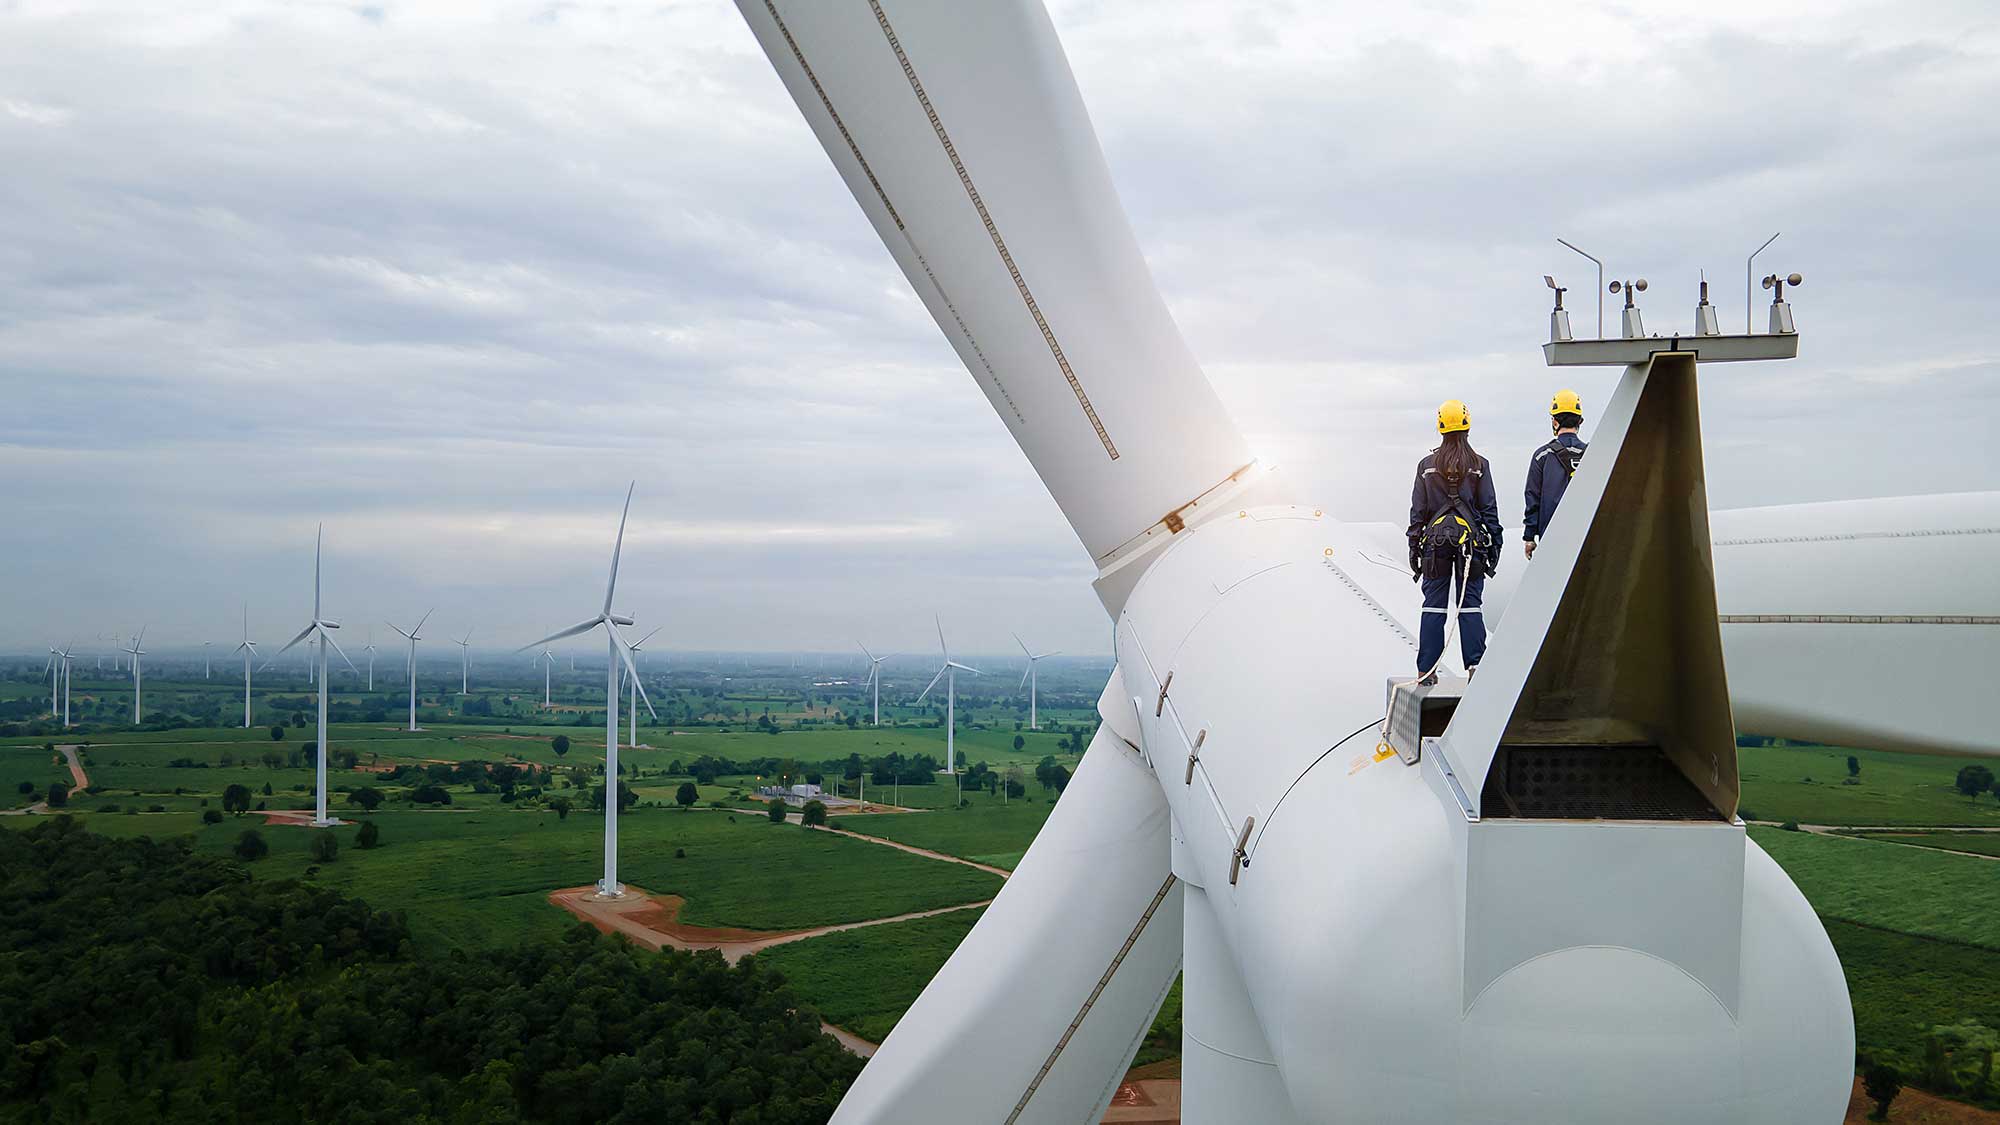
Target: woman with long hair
1454,539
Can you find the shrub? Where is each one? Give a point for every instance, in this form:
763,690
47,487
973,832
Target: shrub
680,853
560,744
236,799
370,835
107,808
686,796
212,816
776,811
277,733
26,787
325,847
156,808
1790,826
815,813
250,846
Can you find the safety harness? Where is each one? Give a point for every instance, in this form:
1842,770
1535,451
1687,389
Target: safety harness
1454,536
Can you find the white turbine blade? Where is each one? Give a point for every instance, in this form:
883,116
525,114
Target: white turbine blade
1046,655
412,634
1025,672
467,638
246,621
303,634
580,627
399,630
336,648
964,667
318,535
625,651
641,642
932,684
240,648
1023,644
617,547
866,653
941,645
141,638
960,131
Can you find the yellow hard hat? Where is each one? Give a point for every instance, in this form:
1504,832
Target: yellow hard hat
1566,402
1453,417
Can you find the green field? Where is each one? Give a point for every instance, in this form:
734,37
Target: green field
1903,986
1915,891
481,879
987,832
1979,843
864,980
1806,784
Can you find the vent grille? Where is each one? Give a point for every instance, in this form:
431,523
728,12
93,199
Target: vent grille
1591,783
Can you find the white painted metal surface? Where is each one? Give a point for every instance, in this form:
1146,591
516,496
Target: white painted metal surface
960,131
1029,1021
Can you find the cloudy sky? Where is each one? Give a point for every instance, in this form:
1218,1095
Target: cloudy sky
446,276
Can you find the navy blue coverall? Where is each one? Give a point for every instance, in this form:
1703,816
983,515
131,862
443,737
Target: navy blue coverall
1428,497
1548,478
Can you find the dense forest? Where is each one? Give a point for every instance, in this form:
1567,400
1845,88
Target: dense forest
140,981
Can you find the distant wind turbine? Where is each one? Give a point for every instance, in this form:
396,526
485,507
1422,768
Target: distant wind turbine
609,886
321,627
465,663
138,673
874,681
632,702
548,662
204,659
1031,678
414,635
369,648
54,673
249,649
949,674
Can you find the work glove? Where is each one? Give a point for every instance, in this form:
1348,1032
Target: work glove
1416,565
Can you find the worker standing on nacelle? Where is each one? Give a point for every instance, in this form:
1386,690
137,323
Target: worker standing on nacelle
1551,468
1454,539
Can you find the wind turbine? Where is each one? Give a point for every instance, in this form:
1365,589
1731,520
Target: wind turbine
465,663
138,672
54,673
68,673
950,675
632,703
204,659
321,627
1245,677
369,648
249,649
548,662
609,887
874,684
414,634
1031,679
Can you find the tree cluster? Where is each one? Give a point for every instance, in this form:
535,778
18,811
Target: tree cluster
145,982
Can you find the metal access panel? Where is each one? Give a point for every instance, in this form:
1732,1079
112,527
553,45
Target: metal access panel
1592,783
1417,712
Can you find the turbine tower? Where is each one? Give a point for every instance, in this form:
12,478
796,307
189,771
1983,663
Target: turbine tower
204,660
548,661
609,886
632,702
369,648
54,672
138,672
465,663
413,635
1031,679
321,629
949,673
874,684
249,649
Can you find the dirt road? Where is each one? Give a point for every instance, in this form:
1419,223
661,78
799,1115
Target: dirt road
654,922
